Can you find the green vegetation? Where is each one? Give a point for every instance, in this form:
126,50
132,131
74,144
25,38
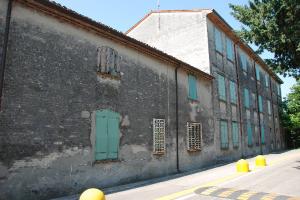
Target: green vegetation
290,116
273,25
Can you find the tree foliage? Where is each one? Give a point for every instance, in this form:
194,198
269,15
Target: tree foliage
273,25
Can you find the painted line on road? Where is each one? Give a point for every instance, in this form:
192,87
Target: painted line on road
190,191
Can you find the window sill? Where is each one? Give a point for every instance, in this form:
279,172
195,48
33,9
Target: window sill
219,52
106,75
229,60
106,161
192,99
193,150
158,153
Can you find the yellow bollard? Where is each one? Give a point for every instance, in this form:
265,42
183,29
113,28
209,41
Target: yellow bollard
242,166
260,161
92,194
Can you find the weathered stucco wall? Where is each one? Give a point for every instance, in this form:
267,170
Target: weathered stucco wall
50,97
177,33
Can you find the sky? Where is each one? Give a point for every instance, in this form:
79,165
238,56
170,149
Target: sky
121,15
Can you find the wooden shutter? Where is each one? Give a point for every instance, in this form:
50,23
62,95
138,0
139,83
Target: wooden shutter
249,133
224,134
233,94
260,104
192,87
221,87
246,98
235,134
107,135
257,71
218,40
262,130
229,49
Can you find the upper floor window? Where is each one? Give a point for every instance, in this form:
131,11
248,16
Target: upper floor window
260,104
221,87
257,72
246,98
218,40
229,49
278,89
233,93
108,61
269,107
192,87
267,79
235,134
243,59
249,133
262,131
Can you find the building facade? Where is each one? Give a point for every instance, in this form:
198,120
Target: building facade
246,93
83,105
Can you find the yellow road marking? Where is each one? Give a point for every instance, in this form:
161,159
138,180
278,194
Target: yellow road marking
269,197
227,192
209,191
218,181
246,195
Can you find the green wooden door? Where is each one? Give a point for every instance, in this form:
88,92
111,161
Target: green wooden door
107,135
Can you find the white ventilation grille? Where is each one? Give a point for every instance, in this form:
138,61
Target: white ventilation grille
159,145
194,136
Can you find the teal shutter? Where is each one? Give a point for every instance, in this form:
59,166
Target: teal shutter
249,133
107,135
224,134
101,137
221,87
246,98
229,49
233,95
257,71
218,40
235,134
267,80
192,87
269,107
260,104
243,61
262,129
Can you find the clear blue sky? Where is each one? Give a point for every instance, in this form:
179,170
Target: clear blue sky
121,14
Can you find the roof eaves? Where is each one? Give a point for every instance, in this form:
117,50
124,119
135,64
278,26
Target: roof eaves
59,11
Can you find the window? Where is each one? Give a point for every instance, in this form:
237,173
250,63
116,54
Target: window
224,134
260,104
218,40
278,90
249,133
235,134
233,93
108,61
192,87
229,49
246,98
243,61
257,72
194,136
269,108
159,145
107,135
221,87
267,79
262,131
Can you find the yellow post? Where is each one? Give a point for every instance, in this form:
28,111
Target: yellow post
260,161
242,166
92,194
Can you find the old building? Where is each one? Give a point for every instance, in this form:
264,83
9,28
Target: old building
246,93
83,105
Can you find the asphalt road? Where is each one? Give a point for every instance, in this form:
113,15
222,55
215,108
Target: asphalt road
279,180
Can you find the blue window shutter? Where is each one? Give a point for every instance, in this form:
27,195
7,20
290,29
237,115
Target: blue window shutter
107,135
113,138
267,80
218,40
101,137
246,98
224,134
249,133
233,95
243,61
260,104
257,71
235,134
229,49
192,87
221,87
262,134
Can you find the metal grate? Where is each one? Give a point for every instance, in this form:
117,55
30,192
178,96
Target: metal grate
159,145
194,136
